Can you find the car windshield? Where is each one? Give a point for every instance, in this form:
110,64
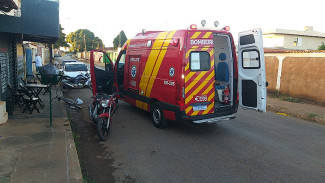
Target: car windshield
76,67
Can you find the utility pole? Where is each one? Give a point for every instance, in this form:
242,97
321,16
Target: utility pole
85,46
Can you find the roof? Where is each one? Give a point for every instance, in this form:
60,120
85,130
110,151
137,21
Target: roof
309,33
109,48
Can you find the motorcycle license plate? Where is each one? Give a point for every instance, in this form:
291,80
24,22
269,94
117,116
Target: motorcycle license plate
200,108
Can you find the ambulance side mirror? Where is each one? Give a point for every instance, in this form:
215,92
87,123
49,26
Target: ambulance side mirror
266,84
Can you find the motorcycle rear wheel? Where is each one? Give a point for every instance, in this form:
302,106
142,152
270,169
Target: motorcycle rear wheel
102,129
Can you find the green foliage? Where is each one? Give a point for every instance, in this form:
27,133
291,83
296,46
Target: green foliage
290,99
312,115
321,47
61,42
119,40
81,36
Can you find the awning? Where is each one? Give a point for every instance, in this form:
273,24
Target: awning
7,5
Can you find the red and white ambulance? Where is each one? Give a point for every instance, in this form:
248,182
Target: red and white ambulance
193,74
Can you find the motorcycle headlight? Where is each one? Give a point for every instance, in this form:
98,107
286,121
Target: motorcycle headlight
104,103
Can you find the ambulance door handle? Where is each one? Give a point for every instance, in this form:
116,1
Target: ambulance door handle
259,79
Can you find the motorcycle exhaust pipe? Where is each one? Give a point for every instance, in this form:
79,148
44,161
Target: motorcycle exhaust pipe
71,85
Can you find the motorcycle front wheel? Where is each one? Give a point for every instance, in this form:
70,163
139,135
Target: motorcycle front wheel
104,128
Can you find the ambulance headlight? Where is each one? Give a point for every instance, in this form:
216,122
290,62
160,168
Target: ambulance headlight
104,103
216,23
149,44
203,22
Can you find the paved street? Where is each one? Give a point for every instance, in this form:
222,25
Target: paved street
255,147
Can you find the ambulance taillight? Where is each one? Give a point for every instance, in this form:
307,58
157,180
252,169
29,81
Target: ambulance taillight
180,100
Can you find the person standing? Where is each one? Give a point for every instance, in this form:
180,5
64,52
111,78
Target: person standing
38,62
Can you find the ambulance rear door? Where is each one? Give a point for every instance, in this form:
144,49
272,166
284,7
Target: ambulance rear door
251,70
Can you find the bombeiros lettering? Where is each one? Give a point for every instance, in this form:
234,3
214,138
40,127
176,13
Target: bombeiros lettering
202,42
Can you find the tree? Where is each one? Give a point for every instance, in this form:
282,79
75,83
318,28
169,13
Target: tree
81,36
119,40
61,42
321,47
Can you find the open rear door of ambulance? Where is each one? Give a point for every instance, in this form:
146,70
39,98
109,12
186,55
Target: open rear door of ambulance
251,70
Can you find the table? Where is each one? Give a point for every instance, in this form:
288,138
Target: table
36,89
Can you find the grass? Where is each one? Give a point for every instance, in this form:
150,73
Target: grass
290,99
312,115
284,97
86,178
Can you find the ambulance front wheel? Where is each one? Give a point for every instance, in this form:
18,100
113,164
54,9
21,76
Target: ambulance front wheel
157,116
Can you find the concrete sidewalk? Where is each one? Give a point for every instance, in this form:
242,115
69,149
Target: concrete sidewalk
32,151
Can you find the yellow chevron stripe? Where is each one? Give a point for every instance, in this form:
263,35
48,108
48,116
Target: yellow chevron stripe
207,35
206,91
211,105
205,111
158,63
189,97
209,108
187,66
195,113
197,79
211,96
211,52
188,109
212,61
195,35
189,75
189,51
205,48
198,88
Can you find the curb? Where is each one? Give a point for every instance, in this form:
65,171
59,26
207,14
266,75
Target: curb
73,165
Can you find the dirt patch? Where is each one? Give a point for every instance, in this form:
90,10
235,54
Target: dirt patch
313,117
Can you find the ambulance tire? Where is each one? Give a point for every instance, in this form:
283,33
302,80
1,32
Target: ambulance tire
157,116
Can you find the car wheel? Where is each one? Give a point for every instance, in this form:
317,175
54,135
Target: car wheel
157,116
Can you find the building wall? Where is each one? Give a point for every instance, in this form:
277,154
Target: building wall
5,65
287,41
273,41
308,43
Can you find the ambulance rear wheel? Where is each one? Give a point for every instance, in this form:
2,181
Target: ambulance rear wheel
157,116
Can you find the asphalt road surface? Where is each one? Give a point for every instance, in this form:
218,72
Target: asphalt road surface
254,147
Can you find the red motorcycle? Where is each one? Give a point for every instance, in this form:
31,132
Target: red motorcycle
105,94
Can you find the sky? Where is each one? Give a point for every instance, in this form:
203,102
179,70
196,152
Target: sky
106,18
